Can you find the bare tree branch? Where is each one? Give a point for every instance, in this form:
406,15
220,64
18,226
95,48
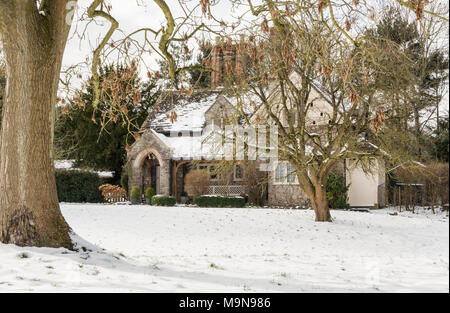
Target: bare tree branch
92,13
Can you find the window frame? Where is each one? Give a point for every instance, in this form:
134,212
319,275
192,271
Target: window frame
282,173
208,167
235,178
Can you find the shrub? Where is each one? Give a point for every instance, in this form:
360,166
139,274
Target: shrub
149,193
112,193
78,186
436,177
163,201
435,180
184,194
219,202
197,182
337,192
135,192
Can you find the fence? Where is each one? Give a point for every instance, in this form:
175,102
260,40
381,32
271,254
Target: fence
113,194
224,190
408,196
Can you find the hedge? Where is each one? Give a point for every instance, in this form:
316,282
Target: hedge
78,186
219,202
337,192
163,201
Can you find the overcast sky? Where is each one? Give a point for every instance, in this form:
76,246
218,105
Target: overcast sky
132,15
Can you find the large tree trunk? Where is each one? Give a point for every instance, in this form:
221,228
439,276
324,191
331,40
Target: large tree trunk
315,189
33,47
320,205
322,211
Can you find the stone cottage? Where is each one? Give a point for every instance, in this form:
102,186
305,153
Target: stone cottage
176,139
167,149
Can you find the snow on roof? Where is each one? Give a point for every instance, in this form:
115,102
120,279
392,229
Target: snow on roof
249,102
205,146
319,88
190,111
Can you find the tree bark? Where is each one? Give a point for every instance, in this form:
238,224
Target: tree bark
315,188
320,205
33,45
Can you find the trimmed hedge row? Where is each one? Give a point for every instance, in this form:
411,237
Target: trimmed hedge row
78,186
219,202
163,201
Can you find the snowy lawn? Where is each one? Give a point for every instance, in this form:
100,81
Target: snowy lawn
150,249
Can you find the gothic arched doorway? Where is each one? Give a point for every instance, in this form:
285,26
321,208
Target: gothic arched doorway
151,172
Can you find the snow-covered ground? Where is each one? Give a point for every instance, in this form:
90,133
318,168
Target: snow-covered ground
150,249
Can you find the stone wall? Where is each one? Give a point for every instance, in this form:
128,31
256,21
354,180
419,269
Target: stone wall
221,111
149,144
286,195
292,194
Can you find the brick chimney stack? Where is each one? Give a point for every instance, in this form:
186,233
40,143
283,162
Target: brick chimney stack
240,59
216,64
226,59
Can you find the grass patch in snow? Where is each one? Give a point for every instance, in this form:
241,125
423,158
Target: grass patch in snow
23,255
264,250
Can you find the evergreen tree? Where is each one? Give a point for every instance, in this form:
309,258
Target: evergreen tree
198,78
98,138
440,141
183,57
414,94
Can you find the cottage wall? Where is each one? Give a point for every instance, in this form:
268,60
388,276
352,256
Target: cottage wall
366,189
221,112
286,195
291,194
